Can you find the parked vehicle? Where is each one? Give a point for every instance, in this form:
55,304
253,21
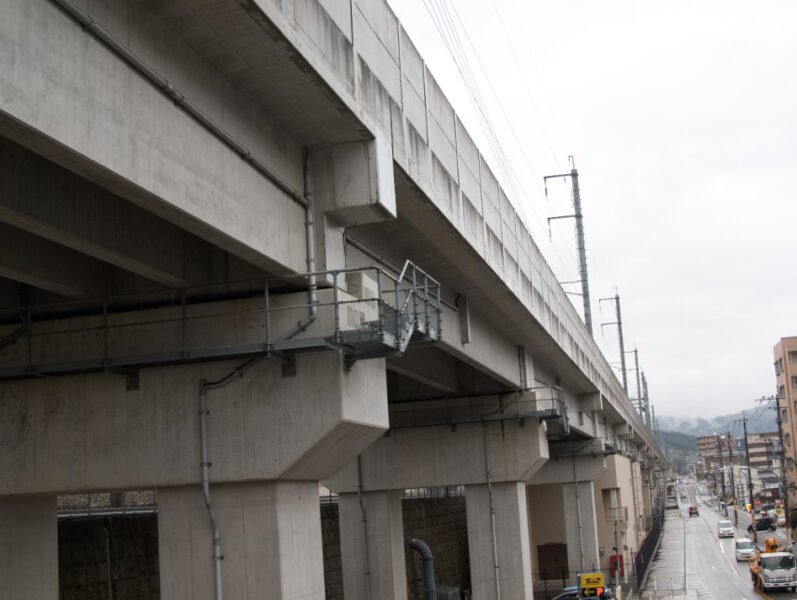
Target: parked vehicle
744,549
725,528
762,524
571,592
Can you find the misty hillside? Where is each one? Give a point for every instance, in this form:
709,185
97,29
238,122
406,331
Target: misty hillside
677,446
759,420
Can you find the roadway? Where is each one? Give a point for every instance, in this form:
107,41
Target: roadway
690,548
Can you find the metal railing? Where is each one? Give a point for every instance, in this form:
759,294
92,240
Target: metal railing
225,320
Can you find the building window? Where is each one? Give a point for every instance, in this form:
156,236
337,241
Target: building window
793,357
777,368
793,382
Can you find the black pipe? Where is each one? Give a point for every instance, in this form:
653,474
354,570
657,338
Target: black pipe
428,567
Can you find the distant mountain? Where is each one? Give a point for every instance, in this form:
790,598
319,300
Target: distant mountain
677,446
759,420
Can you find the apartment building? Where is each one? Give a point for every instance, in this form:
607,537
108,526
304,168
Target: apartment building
785,354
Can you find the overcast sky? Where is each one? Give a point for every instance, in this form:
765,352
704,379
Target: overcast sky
681,119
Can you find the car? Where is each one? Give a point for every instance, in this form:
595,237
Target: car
744,549
762,524
693,512
571,592
724,528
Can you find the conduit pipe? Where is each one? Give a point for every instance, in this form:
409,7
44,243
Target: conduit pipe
204,388
18,332
364,518
430,585
167,88
496,567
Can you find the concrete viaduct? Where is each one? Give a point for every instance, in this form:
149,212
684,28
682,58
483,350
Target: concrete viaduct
247,246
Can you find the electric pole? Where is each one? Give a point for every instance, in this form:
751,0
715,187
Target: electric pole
647,400
582,252
722,474
749,477
782,454
733,483
619,324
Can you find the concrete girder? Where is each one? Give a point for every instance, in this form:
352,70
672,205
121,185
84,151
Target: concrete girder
45,265
49,201
563,470
446,456
261,426
74,101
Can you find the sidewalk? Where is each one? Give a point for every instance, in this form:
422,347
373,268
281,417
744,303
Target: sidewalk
666,577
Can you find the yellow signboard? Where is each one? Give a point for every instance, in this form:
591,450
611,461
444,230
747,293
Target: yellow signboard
591,584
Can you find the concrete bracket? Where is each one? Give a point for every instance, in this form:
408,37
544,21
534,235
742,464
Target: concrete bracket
130,375
288,365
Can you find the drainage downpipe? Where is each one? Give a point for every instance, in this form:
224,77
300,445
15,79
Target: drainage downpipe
364,518
309,233
578,517
430,584
204,388
309,225
168,89
496,567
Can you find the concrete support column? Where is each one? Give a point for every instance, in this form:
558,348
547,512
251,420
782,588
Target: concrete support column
581,528
29,548
511,537
372,546
270,540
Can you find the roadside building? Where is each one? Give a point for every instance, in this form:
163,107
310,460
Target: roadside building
785,354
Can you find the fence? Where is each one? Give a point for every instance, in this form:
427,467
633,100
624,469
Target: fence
648,549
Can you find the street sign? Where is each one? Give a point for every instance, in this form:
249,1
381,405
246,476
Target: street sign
591,585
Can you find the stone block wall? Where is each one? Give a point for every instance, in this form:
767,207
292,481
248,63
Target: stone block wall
441,524
132,542
84,546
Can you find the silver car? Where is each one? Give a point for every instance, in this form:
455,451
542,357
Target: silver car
725,528
744,549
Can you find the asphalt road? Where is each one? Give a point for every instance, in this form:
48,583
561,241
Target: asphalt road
691,550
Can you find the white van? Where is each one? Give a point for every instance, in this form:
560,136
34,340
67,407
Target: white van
744,549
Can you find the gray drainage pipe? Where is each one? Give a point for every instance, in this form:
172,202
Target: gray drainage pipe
430,586
204,387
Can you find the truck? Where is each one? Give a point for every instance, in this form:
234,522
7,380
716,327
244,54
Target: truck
772,568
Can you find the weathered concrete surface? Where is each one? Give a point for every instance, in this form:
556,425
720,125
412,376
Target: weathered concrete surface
86,433
270,536
372,546
29,548
512,539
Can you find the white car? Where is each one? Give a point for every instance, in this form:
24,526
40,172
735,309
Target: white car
744,549
725,528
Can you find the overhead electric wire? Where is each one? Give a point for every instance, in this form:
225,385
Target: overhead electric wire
463,66
523,79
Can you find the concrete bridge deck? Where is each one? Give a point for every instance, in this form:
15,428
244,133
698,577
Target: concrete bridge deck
248,246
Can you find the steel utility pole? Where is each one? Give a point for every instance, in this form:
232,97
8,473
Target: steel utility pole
619,324
647,399
582,252
639,399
